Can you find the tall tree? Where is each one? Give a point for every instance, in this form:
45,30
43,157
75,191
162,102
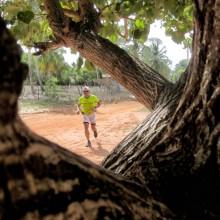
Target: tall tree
179,69
171,158
30,74
155,56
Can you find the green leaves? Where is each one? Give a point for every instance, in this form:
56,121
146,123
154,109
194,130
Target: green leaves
139,14
179,70
139,23
188,11
141,34
25,16
141,29
137,33
117,7
79,62
89,66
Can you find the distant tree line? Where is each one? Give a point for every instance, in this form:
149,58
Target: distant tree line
51,69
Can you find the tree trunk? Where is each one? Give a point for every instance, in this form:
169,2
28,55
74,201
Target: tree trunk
173,156
137,155
36,64
30,73
183,162
147,133
141,80
41,180
133,147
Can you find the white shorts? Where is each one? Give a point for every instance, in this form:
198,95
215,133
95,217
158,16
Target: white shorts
89,118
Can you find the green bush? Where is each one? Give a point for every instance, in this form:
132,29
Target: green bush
51,87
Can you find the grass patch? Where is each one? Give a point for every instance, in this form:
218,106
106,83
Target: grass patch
43,105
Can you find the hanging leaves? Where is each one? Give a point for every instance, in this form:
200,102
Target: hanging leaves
139,23
89,65
175,15
25,16
79,63
137,33
117,7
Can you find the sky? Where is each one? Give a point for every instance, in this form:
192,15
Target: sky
175,52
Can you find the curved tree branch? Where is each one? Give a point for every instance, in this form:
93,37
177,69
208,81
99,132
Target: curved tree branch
59,23
134,75
42,47
55,183
185,162
41,180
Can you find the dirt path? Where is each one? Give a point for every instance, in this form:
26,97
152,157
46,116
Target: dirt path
114,121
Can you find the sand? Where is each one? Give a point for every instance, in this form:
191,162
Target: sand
114,122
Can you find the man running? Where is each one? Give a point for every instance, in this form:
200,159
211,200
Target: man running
87,107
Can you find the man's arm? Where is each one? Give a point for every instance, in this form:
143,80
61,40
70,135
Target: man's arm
98,103
79,110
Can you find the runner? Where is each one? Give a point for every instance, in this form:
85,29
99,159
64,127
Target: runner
87,107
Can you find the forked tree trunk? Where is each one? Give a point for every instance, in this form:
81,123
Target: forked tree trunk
141,80
184,164
173,156
40,180
146,135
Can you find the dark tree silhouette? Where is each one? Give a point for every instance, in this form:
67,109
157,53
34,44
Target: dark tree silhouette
167,168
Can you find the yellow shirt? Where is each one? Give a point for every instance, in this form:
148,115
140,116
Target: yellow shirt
88,104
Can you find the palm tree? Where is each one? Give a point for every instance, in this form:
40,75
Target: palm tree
179,69
155,55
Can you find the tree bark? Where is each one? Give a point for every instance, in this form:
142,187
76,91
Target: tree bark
173,156
184,163
41,180
141,80
179,151
147,133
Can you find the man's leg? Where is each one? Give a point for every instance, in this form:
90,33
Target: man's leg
86,127
93,125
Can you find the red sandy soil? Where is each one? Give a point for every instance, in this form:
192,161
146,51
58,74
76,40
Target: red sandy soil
114,122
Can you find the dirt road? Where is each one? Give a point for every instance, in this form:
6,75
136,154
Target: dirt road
114,121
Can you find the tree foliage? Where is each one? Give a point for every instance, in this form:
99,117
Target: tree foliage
28,19
155,56
153,53
121,20
54,70
169,163
179,69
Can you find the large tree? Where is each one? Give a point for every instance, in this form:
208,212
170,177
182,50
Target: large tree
167,168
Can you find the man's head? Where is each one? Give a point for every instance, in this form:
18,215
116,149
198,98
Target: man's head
86,91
